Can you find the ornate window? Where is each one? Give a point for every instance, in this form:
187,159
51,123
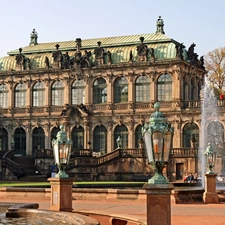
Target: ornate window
120,90
20,141
164,86
38,140
78,96
100,91
3,139
138,135
3,96
20,95
38,94
100,139
78,137
190,136
142,89
122,132
57,93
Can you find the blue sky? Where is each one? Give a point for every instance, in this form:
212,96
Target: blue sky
198,21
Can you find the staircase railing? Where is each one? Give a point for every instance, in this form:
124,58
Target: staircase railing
8,163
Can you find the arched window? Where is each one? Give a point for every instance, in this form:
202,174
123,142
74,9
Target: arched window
215,134
191,135
78,96
38,140
3,139
142,89
78,137
164,86
120,90
38,94
100,91
138,135
122,132
3,96
20,141
100,139
20,95
57,93
55,130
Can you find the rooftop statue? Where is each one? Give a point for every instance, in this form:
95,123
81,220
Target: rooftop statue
33,38
142,51
160,26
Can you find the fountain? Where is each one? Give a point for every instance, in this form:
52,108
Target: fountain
211,128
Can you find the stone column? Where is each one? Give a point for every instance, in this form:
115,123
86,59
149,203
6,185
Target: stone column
158,203
61,194
210,195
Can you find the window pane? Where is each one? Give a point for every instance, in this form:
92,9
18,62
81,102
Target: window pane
100,139
100,91
142,89
57,93
164,86
38,94
3,96
120,90
78,96
20,95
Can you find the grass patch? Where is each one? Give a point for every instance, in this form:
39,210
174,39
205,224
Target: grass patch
47,184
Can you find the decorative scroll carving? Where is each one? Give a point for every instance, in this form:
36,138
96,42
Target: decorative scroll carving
142,51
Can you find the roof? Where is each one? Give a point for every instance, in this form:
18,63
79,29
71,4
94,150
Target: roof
120,47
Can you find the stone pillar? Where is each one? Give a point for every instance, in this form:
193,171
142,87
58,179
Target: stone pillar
158,203
210,195
61,194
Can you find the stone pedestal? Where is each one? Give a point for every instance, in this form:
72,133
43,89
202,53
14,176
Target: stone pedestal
61,194
158,203
210,195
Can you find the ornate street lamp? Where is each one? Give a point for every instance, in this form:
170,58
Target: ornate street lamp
158,136
210,158
62,151
118,141
12,143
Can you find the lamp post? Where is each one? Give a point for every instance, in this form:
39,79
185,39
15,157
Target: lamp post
210,158
210,195
12,143
61,184
157,135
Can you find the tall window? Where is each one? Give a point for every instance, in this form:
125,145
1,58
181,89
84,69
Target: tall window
122,132
100,139
142,89
78,137
57,93
78,92
3,96
164,86
120,90
20,95
138,135
20,141
191,135
38,94
100,91
38,139
3,139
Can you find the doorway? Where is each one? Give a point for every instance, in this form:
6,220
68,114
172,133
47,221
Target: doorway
179,171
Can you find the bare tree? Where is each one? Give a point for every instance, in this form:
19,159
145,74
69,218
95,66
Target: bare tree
215,65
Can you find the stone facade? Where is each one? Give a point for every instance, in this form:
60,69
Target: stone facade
101,89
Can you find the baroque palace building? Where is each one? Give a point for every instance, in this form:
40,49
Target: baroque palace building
101,89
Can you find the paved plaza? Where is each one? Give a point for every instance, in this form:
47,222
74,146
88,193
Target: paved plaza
185,214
